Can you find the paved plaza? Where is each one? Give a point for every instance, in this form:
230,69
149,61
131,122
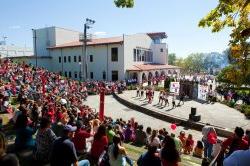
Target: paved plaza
116,110
216,114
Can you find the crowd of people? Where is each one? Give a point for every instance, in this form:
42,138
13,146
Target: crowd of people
51,119
231,95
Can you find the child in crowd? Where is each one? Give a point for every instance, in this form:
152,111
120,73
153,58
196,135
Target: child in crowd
188,148
198,150
183,138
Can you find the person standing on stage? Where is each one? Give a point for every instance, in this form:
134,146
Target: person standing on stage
173,102
181,98
166,98
137,91
161,97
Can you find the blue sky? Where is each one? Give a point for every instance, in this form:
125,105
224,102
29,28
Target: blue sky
178,18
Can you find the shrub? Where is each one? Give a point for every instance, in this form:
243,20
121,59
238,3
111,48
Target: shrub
231,104
247,111
243,108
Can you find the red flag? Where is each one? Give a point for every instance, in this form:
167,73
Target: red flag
101,110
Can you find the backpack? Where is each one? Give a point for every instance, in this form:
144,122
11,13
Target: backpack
212,138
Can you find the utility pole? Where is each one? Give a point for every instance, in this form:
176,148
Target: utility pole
85,39
34,37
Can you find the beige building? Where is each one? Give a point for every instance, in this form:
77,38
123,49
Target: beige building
140,56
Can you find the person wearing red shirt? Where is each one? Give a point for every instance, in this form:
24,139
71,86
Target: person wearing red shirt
246,137
79,139
189,144
99,144
235,142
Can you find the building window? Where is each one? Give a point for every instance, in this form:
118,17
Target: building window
161,49
65,74
104,75
134,55
91,75
69,74
146,56
114,75
138,55
64,59
91,58
69,59
143,55
114,54
75,74
74,58
79,58
60,59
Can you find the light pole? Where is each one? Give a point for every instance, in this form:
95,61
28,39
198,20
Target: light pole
34,37
84,39
80,71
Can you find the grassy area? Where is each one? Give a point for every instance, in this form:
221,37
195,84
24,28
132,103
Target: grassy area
186,160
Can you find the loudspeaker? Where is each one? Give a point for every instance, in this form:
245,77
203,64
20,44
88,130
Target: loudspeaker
195,118
193,111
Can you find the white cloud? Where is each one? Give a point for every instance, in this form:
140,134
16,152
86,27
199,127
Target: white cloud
15,27
100,33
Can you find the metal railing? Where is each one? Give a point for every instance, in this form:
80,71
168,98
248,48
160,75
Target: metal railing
214,161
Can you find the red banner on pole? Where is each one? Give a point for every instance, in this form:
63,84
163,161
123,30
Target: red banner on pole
101,110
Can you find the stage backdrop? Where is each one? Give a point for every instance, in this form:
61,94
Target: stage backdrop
175,87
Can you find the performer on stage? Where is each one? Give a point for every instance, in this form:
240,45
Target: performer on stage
161,94
182,96
173,102
165,97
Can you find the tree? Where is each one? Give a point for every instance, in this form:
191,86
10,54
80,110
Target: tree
171,59
124,3
230,13
230,75
233,14
194,63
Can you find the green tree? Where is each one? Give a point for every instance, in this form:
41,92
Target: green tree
233,14
194,63
171,59
229,13
231,75
124,3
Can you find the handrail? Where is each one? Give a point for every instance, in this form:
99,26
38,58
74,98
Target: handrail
214,161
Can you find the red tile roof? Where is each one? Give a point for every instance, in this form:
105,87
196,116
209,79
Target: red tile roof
100,41
145,67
